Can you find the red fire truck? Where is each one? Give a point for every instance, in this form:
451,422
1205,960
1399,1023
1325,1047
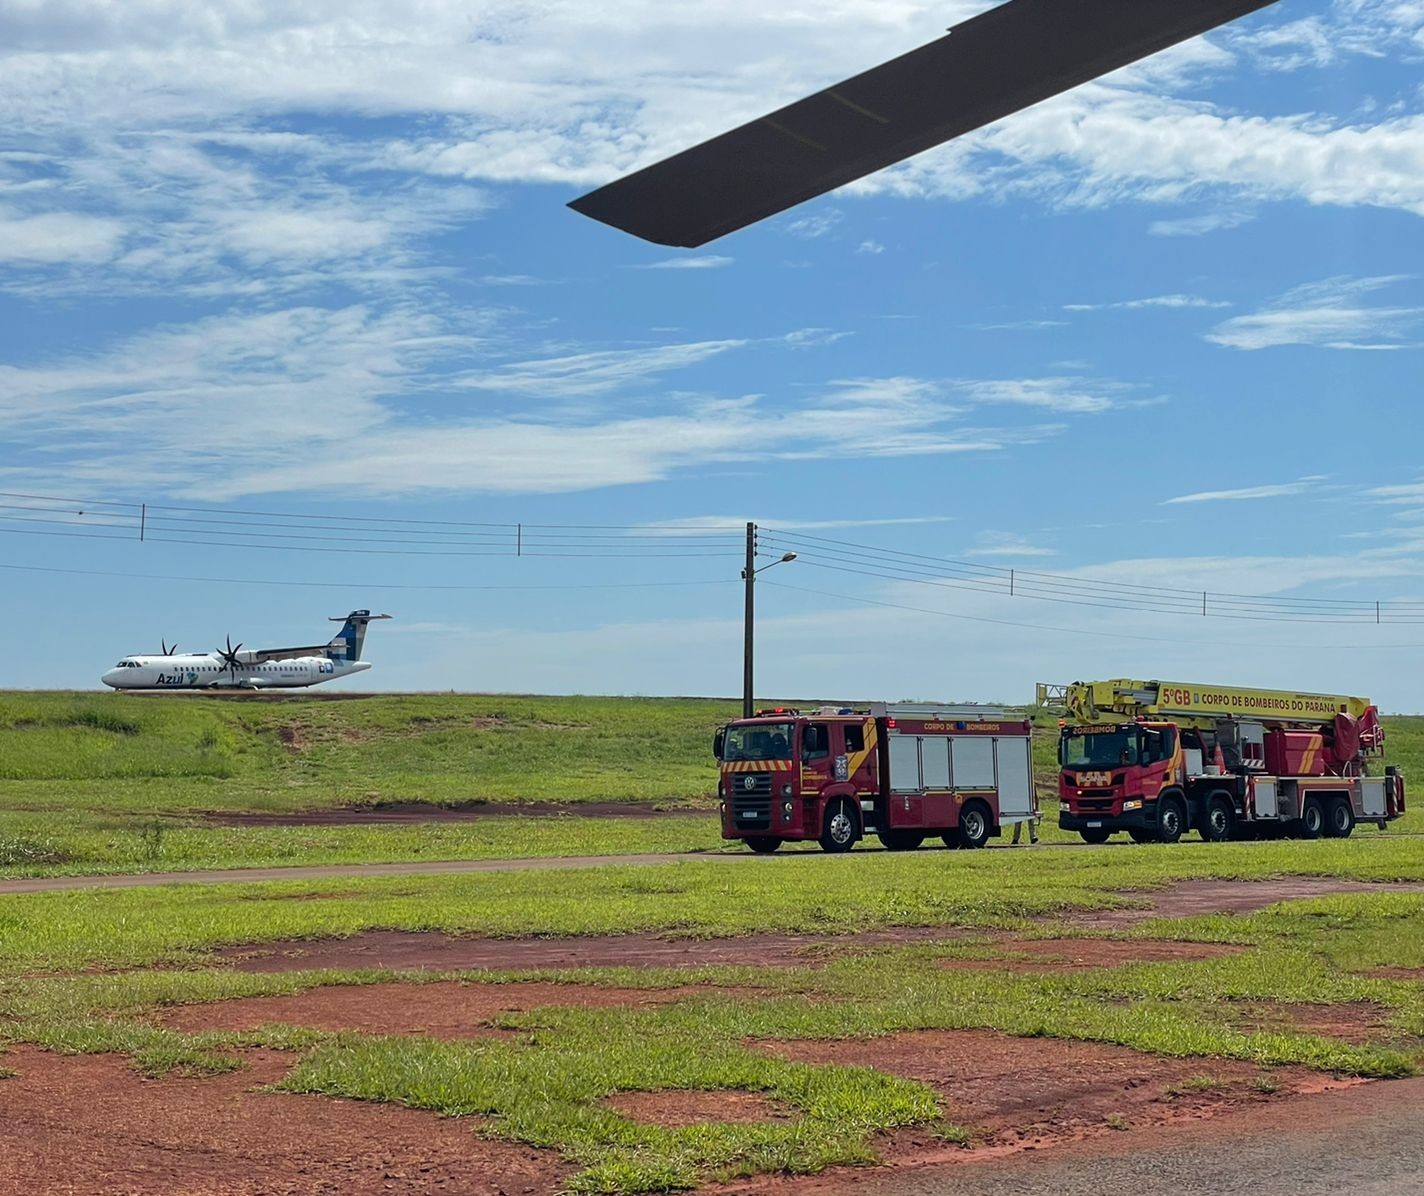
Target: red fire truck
900,772
1156,758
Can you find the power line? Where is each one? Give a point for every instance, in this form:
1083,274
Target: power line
1115,635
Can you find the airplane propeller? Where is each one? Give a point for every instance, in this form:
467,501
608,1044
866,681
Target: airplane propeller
167,651
229,656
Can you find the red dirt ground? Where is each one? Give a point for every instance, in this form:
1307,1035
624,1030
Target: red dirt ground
91,1125
411,813
1062,955
1357,1021
441,1010
414,950
1028,1093
677,1109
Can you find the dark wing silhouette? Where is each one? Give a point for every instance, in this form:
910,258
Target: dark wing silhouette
996,63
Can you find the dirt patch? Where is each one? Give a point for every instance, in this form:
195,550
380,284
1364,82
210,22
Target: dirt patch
293,737
1355,1022
440,1010
402,813
403,950
676,1109
1198,898
1063,955
90,1125
1025,1093
1394,973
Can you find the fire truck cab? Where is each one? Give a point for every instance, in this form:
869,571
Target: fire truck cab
904,773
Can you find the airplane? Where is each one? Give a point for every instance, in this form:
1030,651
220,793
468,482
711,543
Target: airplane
232,668
1000,62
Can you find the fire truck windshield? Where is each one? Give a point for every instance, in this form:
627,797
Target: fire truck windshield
1099,749
764,741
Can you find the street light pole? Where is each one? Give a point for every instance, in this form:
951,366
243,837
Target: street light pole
748,621
749,574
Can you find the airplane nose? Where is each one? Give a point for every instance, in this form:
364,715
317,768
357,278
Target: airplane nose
111,678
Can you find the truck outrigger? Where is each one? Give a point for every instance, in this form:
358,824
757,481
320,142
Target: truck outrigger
1156,758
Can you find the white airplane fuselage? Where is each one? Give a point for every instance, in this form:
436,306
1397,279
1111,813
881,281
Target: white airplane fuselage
210,671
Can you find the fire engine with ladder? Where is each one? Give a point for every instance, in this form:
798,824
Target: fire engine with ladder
1156,758
901,772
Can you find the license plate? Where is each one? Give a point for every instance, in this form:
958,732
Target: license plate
1093,824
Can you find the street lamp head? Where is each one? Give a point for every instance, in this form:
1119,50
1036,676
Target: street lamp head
790,556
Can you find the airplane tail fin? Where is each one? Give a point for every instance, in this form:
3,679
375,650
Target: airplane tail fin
347,643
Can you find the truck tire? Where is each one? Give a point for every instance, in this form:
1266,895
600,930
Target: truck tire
1171,819
951,839
974,825
763,844
1218,820
901,840
1140,834
1339,818
1312,819
840,828
1096,835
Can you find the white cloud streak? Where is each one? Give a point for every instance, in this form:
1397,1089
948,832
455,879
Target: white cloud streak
1332,314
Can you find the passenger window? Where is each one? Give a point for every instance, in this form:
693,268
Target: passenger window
816,742
854,739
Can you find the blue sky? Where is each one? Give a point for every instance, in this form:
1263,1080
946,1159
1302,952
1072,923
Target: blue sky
1165,330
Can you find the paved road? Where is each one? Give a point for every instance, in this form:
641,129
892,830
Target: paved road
1363,1141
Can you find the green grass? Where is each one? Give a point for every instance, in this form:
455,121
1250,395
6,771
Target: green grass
548,1084
114,783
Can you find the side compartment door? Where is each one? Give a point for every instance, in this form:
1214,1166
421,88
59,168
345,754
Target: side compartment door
1015,769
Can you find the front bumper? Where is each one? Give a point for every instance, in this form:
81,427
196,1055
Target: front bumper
1144,819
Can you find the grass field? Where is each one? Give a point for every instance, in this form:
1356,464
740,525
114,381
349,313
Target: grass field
548,1081
113,783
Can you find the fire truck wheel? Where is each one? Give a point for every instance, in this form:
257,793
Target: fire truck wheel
951,840
1097,835
1312,819
1340,818
973,825
1140,834
901,840
763,844
1171,819
838,832
1219,819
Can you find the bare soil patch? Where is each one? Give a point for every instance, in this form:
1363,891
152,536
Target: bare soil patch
1198,898
1027,1093
1355,1022
677,1109
404,813
1395,973
1061,955
416,950
440,1010
90,1125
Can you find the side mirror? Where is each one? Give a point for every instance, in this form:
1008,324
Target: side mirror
719,741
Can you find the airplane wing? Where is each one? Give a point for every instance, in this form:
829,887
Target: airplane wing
266,654
987,67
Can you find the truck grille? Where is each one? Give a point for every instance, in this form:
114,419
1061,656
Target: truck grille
752,807
1095,800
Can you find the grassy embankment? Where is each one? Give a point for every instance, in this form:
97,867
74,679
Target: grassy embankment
106,782
547,1084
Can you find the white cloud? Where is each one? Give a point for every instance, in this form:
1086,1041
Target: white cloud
1074,396
58,238
600,373
1332,314
1280,490
1174,302
1199,226
1008,544
706,261
872,248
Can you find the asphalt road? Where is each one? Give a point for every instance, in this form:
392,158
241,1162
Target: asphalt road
1366,1141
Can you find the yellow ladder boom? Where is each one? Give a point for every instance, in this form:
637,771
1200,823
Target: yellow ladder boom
1099,701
